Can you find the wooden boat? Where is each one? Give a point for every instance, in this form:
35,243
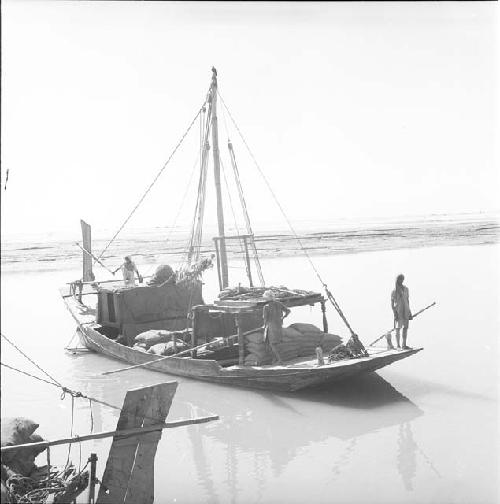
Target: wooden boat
111,324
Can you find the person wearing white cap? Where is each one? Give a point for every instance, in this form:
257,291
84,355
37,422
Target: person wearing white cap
274,312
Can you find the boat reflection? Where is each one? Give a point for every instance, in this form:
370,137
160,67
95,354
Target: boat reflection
407,455
269,429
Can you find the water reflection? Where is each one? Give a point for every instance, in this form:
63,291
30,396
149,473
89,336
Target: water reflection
202,466
407,455
267,430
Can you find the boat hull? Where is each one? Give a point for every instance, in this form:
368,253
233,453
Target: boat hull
294,375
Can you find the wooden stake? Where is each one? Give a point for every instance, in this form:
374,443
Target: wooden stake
92,482
325,321
241,340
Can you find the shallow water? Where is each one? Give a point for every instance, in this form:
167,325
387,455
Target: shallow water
422,430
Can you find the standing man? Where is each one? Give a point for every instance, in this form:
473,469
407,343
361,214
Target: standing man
274,312
129,269
400,304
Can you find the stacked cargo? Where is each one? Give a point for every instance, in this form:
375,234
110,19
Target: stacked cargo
298,340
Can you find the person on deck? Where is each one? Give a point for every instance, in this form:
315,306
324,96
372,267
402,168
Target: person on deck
274,312
400,304
129,269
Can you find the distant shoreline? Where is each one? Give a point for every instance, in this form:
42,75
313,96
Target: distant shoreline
149,248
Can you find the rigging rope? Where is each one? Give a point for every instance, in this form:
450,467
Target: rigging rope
194,244
232,208
149,270
245,212
152,183
241,196
329,294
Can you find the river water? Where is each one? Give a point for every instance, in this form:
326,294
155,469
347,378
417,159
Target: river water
422,430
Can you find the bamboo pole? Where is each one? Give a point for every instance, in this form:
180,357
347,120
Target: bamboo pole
103,281
184,352
219,274
247,262
218,192
393,329
137,431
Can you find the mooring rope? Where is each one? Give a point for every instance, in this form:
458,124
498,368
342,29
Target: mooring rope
65,390
33,362
73,393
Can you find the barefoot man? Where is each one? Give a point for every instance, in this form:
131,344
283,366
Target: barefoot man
129,269
400,304
274,312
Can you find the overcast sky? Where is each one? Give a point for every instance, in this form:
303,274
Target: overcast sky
353,110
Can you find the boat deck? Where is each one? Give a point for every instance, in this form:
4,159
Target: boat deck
310,362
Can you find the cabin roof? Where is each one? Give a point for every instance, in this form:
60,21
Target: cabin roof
253,304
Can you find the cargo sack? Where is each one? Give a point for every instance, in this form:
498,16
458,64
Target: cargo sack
141,347
287,352
291,334
330,341
4,494
305,328
163,273
16,431
168,348
155,336
255,337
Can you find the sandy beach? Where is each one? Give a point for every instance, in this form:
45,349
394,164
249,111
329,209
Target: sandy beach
422,430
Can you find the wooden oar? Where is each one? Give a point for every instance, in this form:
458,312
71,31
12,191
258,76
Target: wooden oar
393,329
177,354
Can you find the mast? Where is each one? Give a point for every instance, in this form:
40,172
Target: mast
220,210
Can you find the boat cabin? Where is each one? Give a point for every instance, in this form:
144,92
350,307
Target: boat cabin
233,324
132,310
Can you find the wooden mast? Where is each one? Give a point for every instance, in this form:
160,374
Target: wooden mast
220,210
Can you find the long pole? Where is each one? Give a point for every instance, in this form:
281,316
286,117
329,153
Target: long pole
184,352
93,257
220,210
137,431
393,329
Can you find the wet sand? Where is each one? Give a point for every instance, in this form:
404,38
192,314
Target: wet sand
422,430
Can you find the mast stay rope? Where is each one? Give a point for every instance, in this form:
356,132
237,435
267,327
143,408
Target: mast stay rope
152,183
299,241
231,206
